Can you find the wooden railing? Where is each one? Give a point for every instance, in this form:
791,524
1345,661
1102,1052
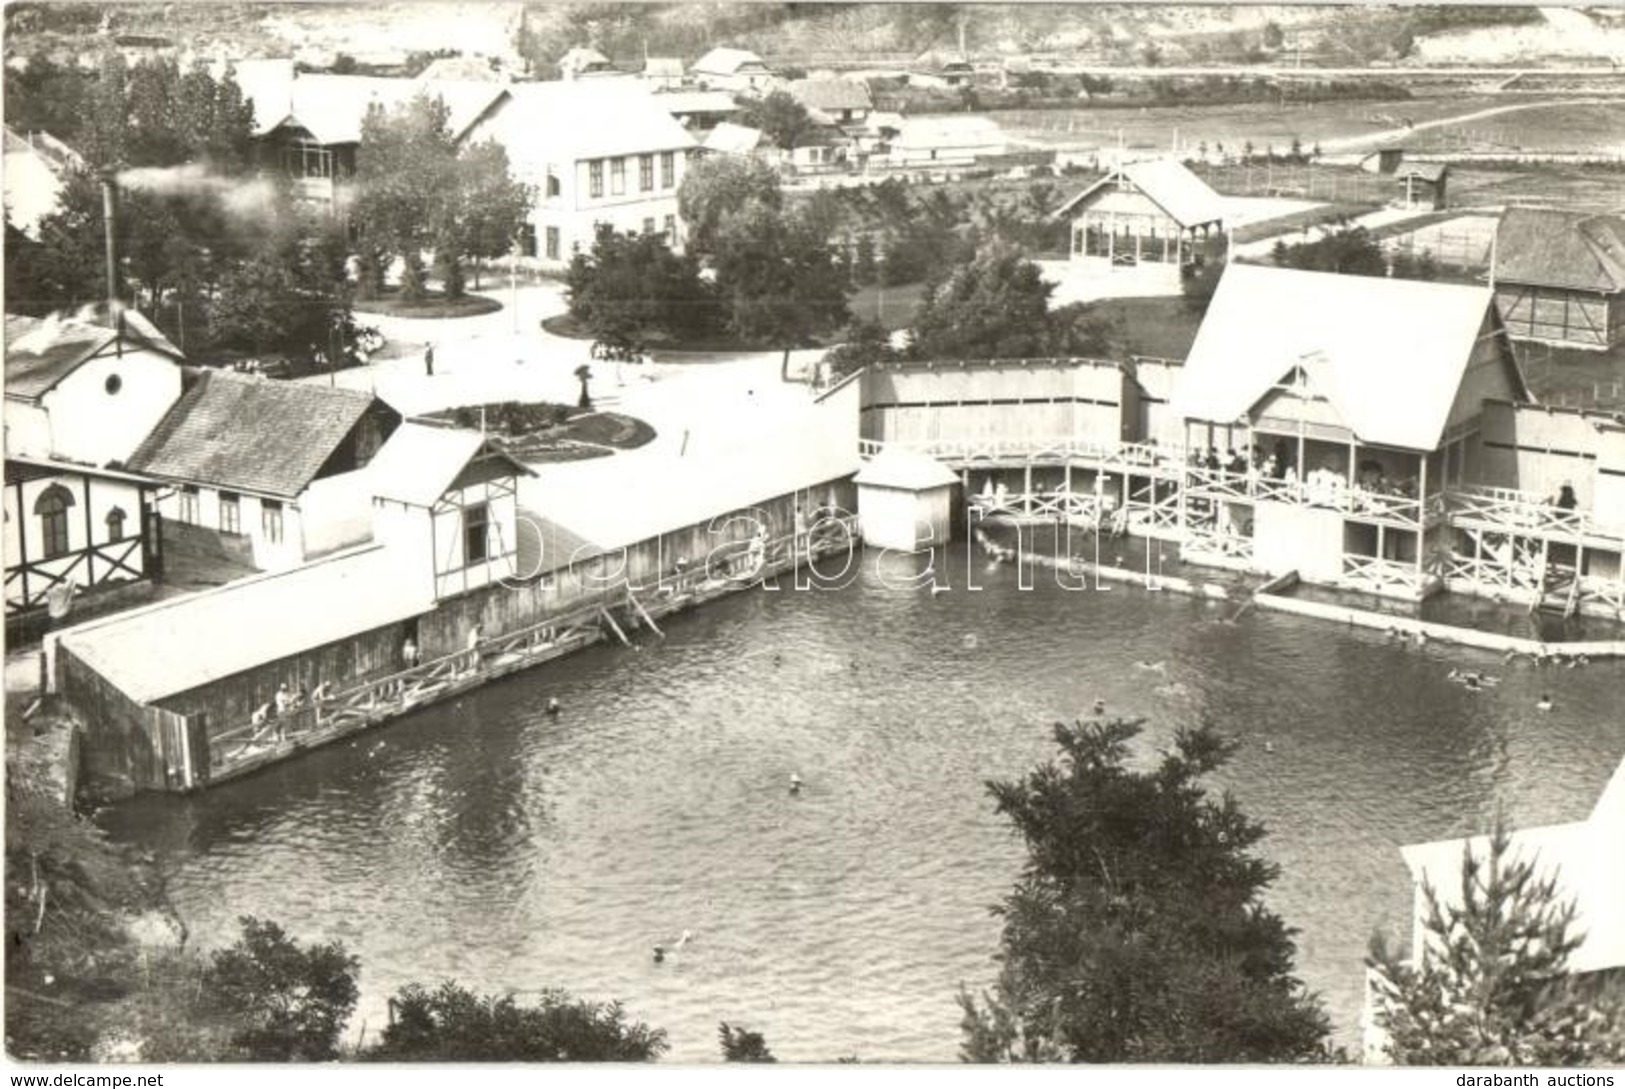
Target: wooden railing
1525,513
1379,574
727,567
967,452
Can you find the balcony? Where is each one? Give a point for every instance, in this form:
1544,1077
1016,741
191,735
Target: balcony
1333,494
1525,514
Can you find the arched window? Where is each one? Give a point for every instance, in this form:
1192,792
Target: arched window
52,508
115,524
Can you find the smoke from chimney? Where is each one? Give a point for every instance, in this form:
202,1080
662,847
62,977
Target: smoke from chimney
110,232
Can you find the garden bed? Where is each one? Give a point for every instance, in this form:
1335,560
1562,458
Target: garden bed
545,432
433,304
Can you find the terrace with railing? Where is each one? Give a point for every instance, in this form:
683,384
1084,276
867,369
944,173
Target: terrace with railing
1527,514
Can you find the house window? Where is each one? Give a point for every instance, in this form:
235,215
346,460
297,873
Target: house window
527,239
187,511
649,225
476,523
553,187
271,520
668,169
553,243
113,384
646,173
115,524
306,160
617,177
595,178
231,513
671,230
52,508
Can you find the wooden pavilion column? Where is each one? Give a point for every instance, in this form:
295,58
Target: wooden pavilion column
1421,515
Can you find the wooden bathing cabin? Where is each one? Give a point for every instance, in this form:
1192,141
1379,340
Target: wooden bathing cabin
479,566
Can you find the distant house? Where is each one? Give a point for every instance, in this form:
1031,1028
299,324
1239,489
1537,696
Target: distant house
275,469
939,71
663,73
37,166
581,62
1559,277
601,151
1576,855
1155,210
731,139
819,151
736,70
307,127
450,498
698,111
464,68
1422,185
841,102
80,395
945,140
1383,161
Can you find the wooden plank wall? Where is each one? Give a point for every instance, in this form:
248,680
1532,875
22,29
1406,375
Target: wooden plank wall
123,746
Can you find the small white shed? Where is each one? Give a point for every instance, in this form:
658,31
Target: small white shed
904,500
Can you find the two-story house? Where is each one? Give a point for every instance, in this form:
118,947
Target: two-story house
596,152
736,70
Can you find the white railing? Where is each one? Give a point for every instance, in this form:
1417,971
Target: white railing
1371,572
969,451
1524,512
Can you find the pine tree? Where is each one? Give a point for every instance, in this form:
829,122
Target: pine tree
1493,987
1137,931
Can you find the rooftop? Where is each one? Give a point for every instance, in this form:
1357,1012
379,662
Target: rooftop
1388,354
252,621
1577,854
831,94
1169,185
592,119
419,462
41,352
724,61
250,434
1556,248
731,139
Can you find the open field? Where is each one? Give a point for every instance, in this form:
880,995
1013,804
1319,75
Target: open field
1596,127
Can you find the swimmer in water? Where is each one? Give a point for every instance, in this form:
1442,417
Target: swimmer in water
553,708
1545,703
1100,707
795,783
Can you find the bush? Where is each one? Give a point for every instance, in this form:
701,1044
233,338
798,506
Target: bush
453,1024
294,1000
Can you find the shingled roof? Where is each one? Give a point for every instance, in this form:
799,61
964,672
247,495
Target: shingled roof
250,434
831,94
1550,247
41,352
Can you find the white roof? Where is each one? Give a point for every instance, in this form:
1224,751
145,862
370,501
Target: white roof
731,139
1170,185
724,61
419,462
180,644
331,108
678,103
1586,858
1389,354
580,56
908,470
560,121
951,130
636,495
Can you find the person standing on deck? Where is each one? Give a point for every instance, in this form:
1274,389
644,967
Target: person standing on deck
284,704
474,636
428,361
409,653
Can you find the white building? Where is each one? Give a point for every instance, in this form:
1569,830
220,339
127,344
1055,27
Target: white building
272,471
736,70
596,152
583,61
945,140
80,395
36,166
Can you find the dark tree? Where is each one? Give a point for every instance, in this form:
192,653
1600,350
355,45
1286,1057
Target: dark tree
454,1024
1137,931
1352,252
721,188
406,175
780,118
741,1045
1494,987
631,285
995,307
294,1000
866,342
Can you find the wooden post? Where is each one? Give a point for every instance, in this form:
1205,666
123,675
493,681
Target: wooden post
1027,486
1421,516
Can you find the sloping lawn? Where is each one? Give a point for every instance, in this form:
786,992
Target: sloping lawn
1164,326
